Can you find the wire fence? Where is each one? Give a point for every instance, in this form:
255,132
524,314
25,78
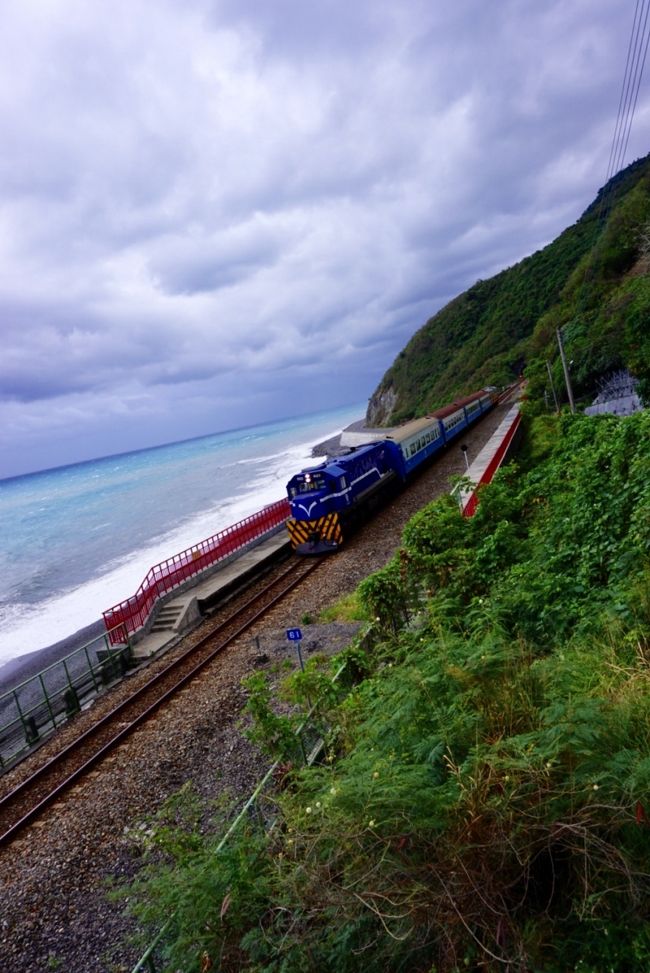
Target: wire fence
36,707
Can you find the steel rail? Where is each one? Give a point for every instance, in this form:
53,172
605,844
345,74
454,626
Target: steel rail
302,569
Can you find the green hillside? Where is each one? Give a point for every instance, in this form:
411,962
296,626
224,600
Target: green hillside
592,281
482,799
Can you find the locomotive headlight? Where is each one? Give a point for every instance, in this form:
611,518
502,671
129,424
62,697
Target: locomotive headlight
307,477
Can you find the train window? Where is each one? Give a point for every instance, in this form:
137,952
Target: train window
310,482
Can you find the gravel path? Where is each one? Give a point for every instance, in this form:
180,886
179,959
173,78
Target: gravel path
54,913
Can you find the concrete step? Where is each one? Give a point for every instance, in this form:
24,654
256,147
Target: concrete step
205,594
170,611
167,618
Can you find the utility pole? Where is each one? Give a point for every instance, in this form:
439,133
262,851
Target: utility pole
550,378
566,370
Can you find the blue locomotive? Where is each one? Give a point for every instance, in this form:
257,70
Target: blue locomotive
328,500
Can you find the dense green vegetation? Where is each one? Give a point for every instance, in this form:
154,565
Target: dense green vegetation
484,803
592,281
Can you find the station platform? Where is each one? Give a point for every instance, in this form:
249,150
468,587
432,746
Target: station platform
492,456
175,616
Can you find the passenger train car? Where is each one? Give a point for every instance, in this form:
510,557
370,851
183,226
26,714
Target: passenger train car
328,500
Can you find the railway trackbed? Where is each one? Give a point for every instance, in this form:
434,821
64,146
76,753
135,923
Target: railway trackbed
22,805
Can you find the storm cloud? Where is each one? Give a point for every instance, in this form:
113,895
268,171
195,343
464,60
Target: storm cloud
217,212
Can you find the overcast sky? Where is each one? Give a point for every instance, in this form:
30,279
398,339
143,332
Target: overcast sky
217,212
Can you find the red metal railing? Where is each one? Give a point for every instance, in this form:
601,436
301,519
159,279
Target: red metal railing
164,577
470,507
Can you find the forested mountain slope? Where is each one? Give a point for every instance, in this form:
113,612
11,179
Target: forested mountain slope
592,281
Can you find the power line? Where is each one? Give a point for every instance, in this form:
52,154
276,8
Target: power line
634,65
635,62
621,99
640,66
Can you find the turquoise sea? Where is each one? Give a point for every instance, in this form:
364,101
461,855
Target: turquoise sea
77,539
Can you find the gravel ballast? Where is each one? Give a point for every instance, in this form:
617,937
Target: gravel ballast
54,911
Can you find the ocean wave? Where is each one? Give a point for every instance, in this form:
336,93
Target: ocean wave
32,627
25,628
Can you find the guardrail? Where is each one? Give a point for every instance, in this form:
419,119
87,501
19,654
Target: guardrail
132,613
501,441
36,707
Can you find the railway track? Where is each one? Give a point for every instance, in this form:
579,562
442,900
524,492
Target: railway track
21,806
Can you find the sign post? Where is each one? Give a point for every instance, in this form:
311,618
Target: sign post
295,635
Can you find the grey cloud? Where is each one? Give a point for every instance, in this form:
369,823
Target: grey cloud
209,202
39,385
204,275
289,28
183,372
196,264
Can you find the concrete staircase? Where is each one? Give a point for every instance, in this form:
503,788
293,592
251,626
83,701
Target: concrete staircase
170,622
182,613
168,617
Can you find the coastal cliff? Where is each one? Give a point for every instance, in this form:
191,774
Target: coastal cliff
382,404
592,282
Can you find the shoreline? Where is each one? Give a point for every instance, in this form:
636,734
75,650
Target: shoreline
15,671
324,448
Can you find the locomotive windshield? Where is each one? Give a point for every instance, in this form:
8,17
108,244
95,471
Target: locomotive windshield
307,483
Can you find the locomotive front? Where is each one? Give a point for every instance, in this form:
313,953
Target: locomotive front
332,498
315,496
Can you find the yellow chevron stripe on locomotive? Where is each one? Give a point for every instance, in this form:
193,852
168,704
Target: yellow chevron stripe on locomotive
316,536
